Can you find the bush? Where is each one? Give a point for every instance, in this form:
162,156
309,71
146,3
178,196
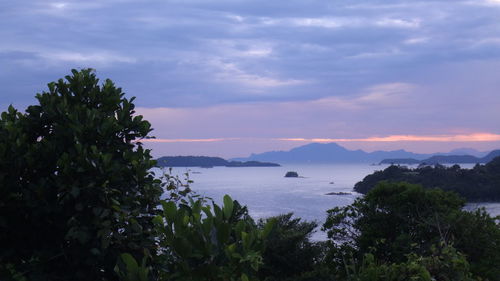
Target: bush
200,241
444,264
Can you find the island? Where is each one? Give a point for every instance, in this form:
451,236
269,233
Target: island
291,174
479,184
409,161
338,193
207,162
444,159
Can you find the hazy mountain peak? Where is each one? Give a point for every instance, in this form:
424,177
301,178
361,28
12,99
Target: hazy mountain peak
335,153
467,151
329,153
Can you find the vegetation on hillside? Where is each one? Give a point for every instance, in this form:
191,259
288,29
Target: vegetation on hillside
78,201
205,161
481,183
445,159
398,222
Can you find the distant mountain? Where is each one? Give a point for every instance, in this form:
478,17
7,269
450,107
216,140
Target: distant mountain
205,161
491,156
330,153
445,159
451,159
466,151
436,159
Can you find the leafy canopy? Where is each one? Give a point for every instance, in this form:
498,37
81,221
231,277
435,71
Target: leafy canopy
75,185
289,251
395,220
202,241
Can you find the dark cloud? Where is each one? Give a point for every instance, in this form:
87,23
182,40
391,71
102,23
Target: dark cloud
198,53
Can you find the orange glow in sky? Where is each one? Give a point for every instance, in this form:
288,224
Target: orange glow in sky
478,137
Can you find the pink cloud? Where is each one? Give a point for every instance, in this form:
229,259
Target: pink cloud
478,137
186,140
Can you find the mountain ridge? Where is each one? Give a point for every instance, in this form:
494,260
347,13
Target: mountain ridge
329,153
335,153
446,159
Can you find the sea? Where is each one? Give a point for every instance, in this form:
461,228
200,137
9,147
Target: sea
266,192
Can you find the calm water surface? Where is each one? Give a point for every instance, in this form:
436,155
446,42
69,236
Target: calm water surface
267,192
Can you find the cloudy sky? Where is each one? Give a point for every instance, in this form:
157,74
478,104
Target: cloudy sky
232,77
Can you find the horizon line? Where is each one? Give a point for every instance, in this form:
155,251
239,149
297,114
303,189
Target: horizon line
476,137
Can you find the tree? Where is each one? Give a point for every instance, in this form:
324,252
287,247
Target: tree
482,183
477,235
75,183
394,220
289,252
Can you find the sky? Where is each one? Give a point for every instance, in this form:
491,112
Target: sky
231,77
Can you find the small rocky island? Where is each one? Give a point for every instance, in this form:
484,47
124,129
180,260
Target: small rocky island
291,174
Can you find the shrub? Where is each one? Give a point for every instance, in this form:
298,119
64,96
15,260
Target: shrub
201,241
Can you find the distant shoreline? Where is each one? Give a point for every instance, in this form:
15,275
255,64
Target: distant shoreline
445,159
478,184
208,162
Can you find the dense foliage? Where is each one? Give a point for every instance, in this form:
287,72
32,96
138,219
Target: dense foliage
445,159
444,264
75,186
201,241
204,243
289,252
395,220
482,183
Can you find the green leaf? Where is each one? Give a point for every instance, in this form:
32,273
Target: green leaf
170,210
231,248
130,262
158,220
240,227
207,211
245,239
268,228
228,206
218,212
185,220
223,232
